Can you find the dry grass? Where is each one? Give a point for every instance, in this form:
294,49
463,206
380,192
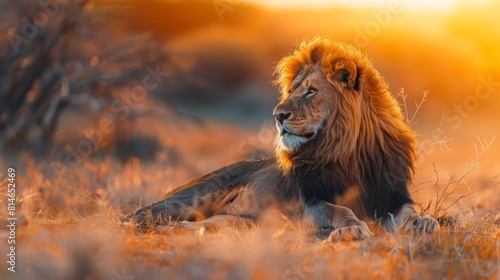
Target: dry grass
73,232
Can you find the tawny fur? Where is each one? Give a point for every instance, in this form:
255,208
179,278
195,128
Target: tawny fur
343,155
368,117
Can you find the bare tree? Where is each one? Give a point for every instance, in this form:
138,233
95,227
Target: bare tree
57,53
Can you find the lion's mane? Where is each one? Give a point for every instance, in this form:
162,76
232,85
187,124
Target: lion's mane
366,138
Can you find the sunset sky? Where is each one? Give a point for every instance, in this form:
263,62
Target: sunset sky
439,5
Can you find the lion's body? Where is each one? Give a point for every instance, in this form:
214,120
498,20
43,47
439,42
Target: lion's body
343,153
238,189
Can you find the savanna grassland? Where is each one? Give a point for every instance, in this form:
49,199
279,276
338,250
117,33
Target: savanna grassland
70,229
93,149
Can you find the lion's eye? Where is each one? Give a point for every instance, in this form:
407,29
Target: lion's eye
310,92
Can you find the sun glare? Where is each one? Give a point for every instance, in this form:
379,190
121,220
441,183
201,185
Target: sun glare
438,5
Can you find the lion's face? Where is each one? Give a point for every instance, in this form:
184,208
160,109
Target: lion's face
304,110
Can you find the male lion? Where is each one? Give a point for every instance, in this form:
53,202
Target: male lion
343,154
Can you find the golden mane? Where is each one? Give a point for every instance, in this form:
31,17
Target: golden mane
366,136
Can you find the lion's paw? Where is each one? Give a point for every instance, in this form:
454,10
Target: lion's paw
357,232
423,225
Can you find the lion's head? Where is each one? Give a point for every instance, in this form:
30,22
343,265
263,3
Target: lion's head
336,108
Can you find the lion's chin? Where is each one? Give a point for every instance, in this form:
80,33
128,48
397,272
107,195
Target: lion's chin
290,142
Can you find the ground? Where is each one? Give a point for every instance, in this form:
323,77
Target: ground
69,228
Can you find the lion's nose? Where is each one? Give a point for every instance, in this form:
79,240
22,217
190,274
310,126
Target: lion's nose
282,116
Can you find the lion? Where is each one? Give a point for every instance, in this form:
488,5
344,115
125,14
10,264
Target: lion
343,156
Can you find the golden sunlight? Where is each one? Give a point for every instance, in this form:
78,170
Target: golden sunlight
437,5
145,139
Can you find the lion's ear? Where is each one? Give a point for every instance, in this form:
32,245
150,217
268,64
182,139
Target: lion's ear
345,72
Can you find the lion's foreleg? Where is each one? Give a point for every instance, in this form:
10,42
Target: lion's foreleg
344,224
162,213
195,203
409,221
212,224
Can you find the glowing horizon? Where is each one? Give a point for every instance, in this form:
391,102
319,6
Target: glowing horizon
436,5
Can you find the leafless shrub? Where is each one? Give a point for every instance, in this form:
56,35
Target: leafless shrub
55,57
449,190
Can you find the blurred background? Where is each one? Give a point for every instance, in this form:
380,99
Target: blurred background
144,95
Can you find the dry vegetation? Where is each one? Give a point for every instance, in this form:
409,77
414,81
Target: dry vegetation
72,231
69,214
